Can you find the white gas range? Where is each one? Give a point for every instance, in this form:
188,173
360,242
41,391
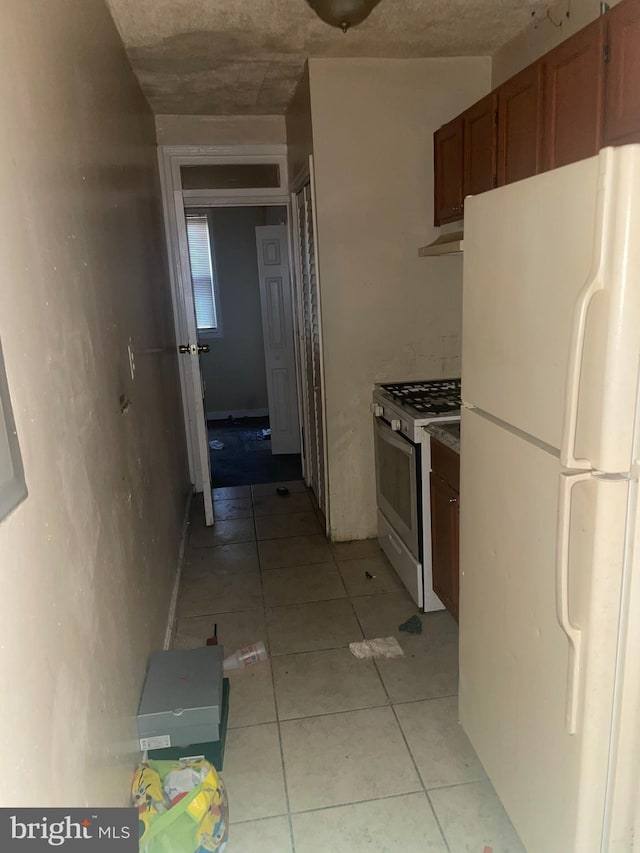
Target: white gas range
401,412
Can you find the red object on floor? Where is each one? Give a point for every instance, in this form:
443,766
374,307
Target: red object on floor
213,641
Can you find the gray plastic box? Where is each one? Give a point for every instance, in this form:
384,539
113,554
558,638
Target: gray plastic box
181,699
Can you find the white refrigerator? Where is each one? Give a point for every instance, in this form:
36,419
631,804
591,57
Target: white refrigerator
550,530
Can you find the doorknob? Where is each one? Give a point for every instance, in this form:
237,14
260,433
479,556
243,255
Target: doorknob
194,349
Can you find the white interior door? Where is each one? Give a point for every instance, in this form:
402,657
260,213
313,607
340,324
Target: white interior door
277,329
311,330
194,384
542,552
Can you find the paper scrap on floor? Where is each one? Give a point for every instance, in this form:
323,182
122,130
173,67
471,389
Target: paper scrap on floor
385,647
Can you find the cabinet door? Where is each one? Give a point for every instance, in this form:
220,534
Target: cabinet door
445,526
622,96
480,135
573,97
520,125
447,150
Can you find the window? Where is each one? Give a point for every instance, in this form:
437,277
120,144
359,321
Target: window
224,176
202,272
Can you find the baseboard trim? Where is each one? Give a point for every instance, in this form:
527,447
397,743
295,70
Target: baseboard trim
168,637
237,413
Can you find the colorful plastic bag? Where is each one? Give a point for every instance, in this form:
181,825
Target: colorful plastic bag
198,823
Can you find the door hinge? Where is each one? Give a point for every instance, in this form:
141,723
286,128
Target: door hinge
606,50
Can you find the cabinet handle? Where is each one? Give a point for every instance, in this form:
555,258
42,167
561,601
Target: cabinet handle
453,500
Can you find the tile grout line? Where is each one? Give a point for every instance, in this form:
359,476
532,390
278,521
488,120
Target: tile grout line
406,743
388,704
262,607
424,787
318,716
336,806
219,613
223,613
458,785
275,704
284,772
314,565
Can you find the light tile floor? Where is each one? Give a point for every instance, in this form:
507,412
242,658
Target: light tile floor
326,753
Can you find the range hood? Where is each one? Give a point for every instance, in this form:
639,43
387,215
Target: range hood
445,244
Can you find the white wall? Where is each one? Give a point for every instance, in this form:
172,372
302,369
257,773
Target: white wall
387,314
299,128
542,35
220,130
88,560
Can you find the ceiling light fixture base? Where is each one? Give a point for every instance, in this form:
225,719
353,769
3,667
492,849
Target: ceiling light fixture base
343,14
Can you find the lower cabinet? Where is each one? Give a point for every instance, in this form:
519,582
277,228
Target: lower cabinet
445,524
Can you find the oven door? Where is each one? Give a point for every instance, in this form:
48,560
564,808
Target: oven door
397,488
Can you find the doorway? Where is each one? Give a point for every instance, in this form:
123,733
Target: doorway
239,260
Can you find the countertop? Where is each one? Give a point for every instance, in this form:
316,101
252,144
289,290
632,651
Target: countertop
448,434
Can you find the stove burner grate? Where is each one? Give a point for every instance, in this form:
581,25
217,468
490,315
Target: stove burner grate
438,397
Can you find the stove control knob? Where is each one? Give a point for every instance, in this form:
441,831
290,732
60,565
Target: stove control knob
377,410
395,425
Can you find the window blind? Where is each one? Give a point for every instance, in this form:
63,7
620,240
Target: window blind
201,270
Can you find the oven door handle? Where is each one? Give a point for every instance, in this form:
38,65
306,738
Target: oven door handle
395,438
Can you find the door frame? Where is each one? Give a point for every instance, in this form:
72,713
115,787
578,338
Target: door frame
297,184
306,176
170,159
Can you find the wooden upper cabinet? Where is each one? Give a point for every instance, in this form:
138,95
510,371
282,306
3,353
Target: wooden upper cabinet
622,110
447,150
580,96
520,125
573,97
480,135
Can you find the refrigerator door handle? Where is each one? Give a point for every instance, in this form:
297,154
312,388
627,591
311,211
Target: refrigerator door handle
568,448
595,283
574,634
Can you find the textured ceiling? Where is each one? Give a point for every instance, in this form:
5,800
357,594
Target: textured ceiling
245,57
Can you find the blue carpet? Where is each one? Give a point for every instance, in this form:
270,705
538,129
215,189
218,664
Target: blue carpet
246,456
